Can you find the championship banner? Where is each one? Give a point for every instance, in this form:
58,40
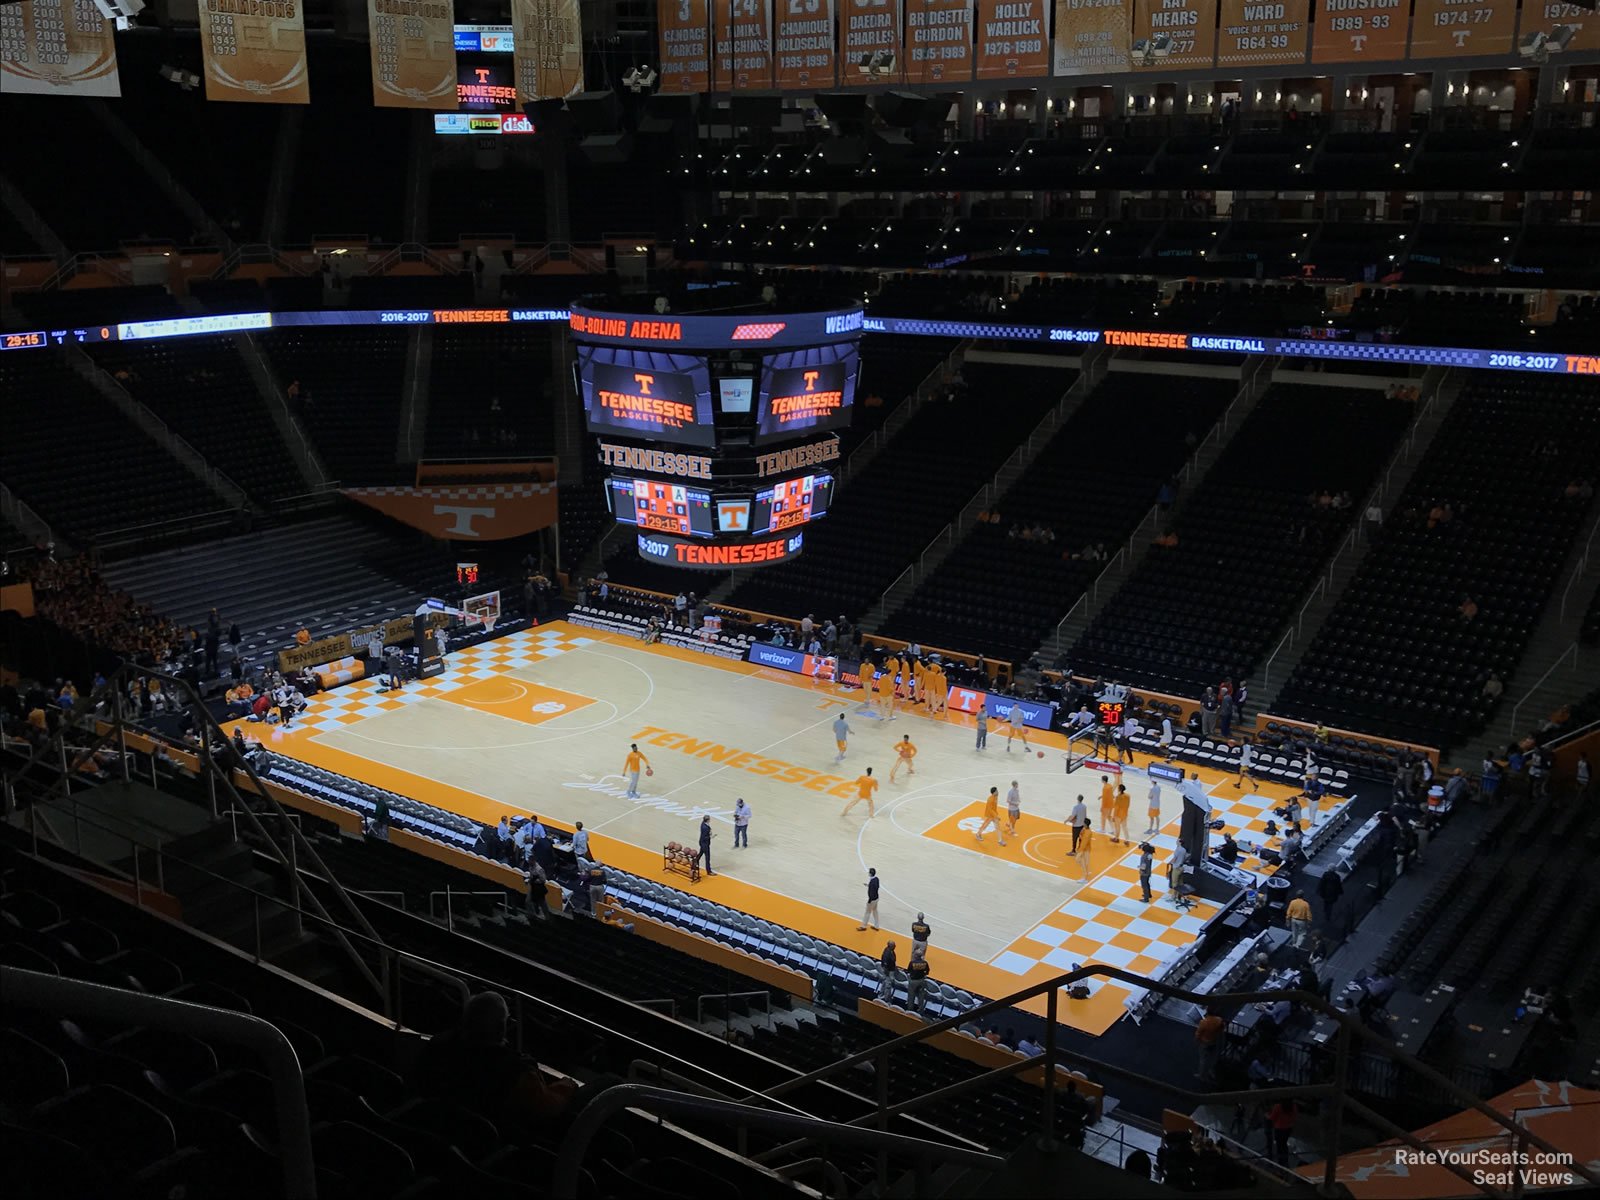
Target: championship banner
1092,36
872,48
803,57
1174,34
938,41
254,51
744,45
413,53
1257,34
1012,39
685,45
1462,28
485,512
548,40
1359,31
1539,16
57,48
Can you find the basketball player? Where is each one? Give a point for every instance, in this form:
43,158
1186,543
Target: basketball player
1119,815
841,736
1108,797
918,678
1016,729
1247,763
1153,808
630,768
867,678
933,686
886,690
865,786
991,815
904,752
1082,848
1013,808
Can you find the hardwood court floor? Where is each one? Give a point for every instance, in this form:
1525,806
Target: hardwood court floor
539,722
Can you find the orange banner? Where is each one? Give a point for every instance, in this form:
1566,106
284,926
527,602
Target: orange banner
1092,36
1359,31
802,44
1539,16
413,53
1462,28
1262,34
685,45
486,512
548,35
744,45
57,48
1012,39
872,50
1174,34
938,41
254,52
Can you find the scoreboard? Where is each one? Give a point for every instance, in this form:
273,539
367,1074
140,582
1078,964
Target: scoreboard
717,431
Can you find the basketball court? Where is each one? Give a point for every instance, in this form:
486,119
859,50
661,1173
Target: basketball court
539,722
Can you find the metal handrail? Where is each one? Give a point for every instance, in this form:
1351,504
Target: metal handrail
97,1002
1571,650
599,1110
449,902
1350,1029
1582,566
727,1023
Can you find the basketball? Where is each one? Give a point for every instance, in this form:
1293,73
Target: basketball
1041,754
649,770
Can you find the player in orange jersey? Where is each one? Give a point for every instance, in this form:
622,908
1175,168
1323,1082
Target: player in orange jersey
991,815
865,786
1108,797
938,689
919,674
867,678
1119,815
886,690
904,752
631,766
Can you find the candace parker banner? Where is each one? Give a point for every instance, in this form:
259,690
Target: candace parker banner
802,42
1092,36
871,50
57,48
481,512
685,33
1012,39
255,51
744,44
938,41
1189,25
548,37
413,53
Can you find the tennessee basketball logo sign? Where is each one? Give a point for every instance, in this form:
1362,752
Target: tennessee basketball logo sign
806,396
733,516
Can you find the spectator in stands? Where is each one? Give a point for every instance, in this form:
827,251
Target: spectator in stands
1228,852
302,636
538,898
475,1066
1282,1118
1582,776
1293,844
1209,1036
1029,1048
888,964
1208,713
1468,608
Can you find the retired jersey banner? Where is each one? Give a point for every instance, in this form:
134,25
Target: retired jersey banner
57,48
1092,36
1460,28
255,51
1539,16
548,39
1175,34
1262,34
685,32
872,49
802,44
478,512
1360,31
413,53
1013,41
744,45
938,41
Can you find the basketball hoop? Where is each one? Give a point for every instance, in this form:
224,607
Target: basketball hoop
482,610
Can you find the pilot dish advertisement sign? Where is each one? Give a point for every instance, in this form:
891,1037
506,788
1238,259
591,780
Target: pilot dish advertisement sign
806,390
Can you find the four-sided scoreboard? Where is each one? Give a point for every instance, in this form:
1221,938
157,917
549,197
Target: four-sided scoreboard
717,433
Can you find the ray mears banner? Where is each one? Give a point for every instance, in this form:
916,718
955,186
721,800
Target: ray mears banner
548,43
57,48
254,51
